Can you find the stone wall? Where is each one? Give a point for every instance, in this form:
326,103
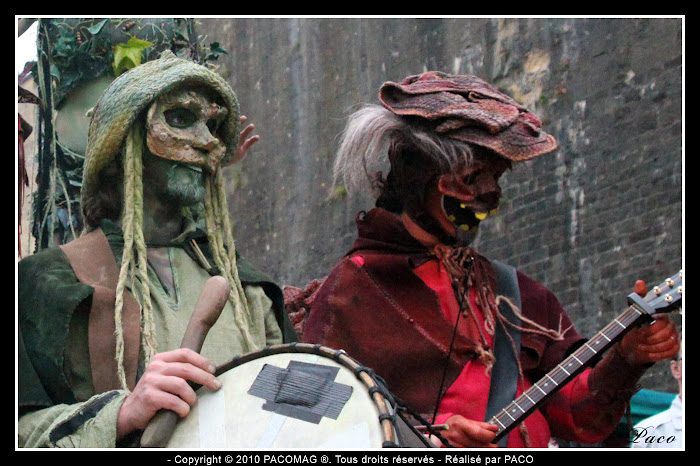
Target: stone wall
603,211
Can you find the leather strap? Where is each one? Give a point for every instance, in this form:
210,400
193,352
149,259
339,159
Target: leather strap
93,263
504,375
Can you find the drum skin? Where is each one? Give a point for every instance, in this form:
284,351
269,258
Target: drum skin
231,418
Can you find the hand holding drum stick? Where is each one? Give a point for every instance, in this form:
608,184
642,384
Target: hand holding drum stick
211,301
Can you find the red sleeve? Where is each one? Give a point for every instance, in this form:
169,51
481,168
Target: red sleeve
576,413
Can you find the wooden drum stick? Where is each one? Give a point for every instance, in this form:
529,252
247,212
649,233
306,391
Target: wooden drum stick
211,302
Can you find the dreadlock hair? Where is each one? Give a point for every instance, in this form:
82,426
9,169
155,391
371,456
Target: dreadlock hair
125,202
416,154
220,235
134,256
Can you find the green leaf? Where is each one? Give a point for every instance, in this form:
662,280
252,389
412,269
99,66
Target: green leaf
127,56
95,29
55,72
216,48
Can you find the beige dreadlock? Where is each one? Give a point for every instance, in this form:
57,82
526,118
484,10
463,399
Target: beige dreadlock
134,254
222,245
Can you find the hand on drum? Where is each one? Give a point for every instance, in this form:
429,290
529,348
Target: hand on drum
164,386
466,433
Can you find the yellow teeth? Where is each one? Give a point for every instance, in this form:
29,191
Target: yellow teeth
494,211
452,218
464,227
480,215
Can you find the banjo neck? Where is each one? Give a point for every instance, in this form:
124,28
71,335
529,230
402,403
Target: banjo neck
663,298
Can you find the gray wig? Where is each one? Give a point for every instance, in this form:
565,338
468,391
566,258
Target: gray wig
375,137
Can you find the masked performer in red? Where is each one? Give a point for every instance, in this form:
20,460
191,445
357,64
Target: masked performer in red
413,301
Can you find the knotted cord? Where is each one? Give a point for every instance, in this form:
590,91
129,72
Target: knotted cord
469,271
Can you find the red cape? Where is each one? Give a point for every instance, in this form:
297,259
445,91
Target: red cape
387,318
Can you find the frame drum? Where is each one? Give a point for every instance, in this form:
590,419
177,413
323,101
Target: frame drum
290,396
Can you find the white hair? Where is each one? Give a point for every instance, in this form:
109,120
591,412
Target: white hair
372,130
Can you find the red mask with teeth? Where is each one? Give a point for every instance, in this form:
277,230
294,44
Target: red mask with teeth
468,109
469,195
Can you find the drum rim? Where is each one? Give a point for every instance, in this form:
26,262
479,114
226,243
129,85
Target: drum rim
362,373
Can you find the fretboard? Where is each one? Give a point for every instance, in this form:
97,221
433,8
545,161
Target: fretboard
532,398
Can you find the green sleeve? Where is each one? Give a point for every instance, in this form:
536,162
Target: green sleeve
260,304
249,275
91,424
47,295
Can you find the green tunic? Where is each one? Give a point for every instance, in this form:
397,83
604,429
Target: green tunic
58,405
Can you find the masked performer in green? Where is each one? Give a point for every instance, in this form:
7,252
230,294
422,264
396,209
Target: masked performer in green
102,318
414,302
